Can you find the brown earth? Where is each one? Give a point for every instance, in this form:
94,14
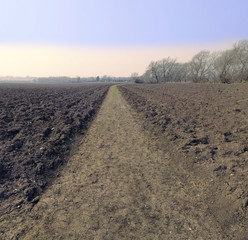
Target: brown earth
122,184
205,127
38,125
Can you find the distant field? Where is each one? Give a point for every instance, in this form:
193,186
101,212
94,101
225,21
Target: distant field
37,126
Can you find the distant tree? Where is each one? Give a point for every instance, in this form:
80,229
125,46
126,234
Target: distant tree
201,67
134,75
166,70
154,72
97,78
224,66
241,60
136,79
180,72
167,66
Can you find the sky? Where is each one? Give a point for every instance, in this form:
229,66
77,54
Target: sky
112,37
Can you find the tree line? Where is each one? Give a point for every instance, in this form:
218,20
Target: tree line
69,80
227,66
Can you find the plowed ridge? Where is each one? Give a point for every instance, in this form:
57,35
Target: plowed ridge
118,186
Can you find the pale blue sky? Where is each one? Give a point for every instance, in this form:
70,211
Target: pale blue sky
122,23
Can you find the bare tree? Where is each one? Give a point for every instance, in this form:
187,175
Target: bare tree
224,66
180,72
241,59
154,70
201,67
136,78
167,68
227,67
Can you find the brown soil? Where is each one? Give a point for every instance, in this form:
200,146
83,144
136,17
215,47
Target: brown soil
120,184
38,124
204,128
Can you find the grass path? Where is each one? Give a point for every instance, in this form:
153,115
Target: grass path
117,186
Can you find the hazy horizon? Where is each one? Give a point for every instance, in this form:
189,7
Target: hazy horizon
45,61
107,37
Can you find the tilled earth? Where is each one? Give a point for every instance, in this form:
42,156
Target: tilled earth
118,185
207,125
171,164
38,124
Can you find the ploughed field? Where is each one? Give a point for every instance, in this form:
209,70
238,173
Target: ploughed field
167,162
38,124
205,127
